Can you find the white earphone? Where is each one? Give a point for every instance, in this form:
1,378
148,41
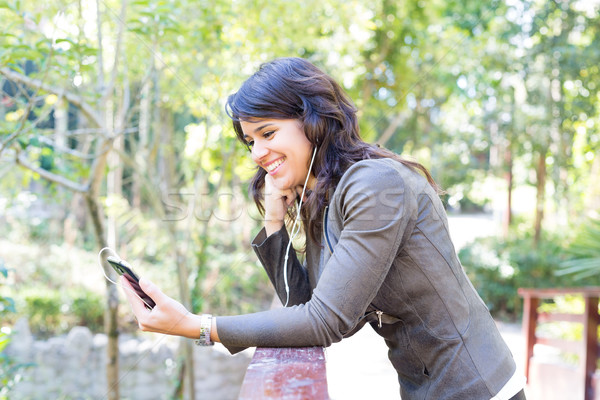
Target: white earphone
295,231
114,254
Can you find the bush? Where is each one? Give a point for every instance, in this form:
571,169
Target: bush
584,252
42,308
54,311
87,309
499,267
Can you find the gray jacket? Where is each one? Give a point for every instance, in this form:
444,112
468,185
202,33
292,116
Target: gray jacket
387,259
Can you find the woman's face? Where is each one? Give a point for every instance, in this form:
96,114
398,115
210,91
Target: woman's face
281,148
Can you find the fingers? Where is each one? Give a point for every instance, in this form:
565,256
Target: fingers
137,305
277,201
152,290
290,197
136,287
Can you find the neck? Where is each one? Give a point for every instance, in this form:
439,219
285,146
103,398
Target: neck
312,182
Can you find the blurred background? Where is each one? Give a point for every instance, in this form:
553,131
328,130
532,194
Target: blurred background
113,133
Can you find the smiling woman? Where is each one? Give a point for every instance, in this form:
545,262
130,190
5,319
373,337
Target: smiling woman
378,249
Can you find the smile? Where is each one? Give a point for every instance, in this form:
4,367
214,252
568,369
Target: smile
273,166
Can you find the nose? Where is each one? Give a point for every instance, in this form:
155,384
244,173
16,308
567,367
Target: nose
259,151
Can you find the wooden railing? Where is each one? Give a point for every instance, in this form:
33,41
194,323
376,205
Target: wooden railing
587,351
286,373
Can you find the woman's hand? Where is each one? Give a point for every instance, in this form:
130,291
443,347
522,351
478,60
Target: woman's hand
168,316
277,202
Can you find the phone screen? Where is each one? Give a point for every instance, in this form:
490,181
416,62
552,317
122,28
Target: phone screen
122,268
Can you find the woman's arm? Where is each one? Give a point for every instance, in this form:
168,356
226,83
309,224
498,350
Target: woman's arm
171,317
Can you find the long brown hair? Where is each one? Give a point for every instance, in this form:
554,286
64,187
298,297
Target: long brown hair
293,88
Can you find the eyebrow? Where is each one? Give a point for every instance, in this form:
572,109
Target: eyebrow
258,129
262,127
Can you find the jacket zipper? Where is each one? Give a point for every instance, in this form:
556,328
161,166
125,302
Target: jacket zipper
379,313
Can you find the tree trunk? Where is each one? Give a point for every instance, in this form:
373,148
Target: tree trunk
540,196
111,311
508,217
144,133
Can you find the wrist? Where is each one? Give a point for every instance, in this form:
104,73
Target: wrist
272,226
193,327
214,336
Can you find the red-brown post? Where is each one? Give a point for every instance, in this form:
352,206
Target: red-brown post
590,328
530,305
291,373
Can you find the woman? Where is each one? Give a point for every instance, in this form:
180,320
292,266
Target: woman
377,247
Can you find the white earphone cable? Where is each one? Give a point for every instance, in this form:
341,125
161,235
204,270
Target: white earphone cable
295,231
113,282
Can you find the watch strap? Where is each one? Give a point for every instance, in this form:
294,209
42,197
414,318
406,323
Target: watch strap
205,328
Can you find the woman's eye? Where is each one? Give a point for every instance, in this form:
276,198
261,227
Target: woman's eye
268,134
250,144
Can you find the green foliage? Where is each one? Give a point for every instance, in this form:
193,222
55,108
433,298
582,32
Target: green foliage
528,86
54,311
43,309
584,253
230,281
87,309
9,367
498,268
7,304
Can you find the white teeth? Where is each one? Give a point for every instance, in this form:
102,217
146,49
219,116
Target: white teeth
271,167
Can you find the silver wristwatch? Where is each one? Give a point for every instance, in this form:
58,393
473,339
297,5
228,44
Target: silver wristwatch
205,327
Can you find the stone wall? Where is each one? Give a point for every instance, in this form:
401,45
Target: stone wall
73,367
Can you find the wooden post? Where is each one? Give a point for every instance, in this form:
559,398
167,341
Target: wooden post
291,373
590,329
530,305
590,319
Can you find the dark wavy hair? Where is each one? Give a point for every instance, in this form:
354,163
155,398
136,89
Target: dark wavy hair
293,88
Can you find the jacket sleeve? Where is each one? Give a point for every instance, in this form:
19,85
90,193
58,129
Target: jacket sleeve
271,253
376,210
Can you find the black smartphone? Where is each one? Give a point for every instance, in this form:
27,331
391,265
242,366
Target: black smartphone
122,268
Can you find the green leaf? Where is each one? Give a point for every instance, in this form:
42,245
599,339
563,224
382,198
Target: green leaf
584,251
7,5
7,305
66,40
34,141
23,143
4,340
